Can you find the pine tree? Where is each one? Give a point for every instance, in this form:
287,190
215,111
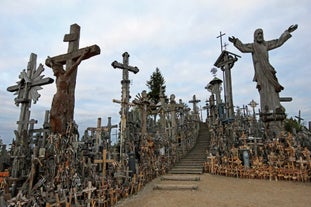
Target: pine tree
154,84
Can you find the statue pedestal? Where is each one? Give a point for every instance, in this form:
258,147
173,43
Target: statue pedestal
273,123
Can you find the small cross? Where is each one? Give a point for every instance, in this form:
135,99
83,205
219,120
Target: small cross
220,36
299,117
89,191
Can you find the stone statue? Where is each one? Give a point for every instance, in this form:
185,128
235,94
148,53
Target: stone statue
62,106
267,83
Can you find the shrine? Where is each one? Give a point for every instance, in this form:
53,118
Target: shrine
53,166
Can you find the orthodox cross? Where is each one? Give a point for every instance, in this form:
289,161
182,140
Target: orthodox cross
26,90
125,94
71,59
220,37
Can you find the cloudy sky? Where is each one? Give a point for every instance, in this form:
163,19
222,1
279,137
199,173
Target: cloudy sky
177,36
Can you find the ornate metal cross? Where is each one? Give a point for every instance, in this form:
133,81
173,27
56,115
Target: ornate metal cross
26,90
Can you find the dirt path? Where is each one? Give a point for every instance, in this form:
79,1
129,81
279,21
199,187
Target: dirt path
220,191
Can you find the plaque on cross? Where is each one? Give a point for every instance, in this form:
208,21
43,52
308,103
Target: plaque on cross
62,112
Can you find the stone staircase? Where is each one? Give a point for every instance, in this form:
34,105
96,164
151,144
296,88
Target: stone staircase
186,173
193,162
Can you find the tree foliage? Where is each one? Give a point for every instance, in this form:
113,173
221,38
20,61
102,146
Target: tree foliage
154,84
291,124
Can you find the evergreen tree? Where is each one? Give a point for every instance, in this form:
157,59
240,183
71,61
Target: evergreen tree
154,84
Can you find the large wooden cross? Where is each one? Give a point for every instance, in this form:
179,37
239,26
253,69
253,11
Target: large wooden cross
70,59
125,94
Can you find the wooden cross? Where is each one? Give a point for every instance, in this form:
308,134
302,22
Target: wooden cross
109,127
26,90
89,191
99,129
104,161
125,94
299,117
71,59
143,103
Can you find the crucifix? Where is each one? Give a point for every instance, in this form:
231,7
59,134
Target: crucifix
125,95
62,112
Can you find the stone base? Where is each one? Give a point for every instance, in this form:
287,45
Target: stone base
273,123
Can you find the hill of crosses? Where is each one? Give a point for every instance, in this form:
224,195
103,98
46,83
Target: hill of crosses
52,165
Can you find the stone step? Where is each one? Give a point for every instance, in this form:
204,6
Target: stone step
186,171
175,187
180,178
192,172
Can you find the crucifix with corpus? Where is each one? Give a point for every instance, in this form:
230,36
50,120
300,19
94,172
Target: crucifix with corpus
62,109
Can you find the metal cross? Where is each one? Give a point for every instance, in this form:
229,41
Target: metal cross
220,36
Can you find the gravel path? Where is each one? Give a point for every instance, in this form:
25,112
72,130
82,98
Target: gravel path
220,191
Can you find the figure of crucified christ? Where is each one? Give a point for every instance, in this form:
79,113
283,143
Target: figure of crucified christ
62,105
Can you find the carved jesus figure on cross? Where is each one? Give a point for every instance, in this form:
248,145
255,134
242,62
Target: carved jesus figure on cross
61,108
65,69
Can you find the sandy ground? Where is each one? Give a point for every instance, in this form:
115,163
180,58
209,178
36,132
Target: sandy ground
220,191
